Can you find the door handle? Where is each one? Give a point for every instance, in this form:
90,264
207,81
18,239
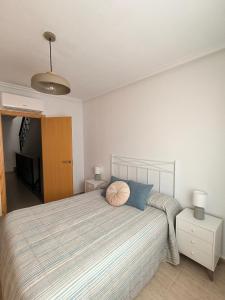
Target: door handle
66,161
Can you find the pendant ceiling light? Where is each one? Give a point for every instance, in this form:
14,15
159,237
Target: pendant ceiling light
50,83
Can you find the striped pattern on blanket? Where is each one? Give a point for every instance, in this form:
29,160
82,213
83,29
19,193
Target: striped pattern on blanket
80,248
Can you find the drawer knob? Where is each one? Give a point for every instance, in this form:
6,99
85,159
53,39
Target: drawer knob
192,252
192,241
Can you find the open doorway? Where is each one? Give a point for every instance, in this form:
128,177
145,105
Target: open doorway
55,179
22,158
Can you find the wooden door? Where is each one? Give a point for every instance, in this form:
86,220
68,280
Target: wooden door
2,174
57,160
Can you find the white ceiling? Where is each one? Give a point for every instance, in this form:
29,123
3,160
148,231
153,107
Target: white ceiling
105,44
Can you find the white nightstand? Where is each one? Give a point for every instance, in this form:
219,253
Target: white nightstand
200,239
92,184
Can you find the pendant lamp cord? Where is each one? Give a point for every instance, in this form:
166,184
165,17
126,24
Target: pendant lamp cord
50,52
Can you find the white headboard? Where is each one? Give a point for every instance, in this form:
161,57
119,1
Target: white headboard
159,173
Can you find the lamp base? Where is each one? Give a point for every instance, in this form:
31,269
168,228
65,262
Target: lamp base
199,213
98,177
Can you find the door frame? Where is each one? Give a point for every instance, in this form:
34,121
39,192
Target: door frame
13,113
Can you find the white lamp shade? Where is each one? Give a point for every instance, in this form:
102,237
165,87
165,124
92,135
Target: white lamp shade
98,170
199,198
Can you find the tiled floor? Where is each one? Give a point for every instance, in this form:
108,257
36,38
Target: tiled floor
188,281
18,194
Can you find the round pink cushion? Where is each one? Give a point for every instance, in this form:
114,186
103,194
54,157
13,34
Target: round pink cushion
117,193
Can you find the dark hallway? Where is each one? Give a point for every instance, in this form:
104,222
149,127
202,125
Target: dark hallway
22,157
18,194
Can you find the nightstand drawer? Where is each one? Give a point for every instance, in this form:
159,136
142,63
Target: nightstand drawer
203,234
92,185
191,242
196,254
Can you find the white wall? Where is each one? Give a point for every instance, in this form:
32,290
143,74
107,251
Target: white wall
10,129
61,106
176,115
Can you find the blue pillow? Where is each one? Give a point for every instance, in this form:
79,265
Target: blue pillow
113,179
139,194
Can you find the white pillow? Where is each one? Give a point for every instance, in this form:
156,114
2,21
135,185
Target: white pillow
117,193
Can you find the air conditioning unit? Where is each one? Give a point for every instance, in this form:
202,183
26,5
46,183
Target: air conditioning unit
11,101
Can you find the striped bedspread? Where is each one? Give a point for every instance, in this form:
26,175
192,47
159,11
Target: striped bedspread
83,248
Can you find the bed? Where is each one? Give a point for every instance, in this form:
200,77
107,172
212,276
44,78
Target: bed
83,248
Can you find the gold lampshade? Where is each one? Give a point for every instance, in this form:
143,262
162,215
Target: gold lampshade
50,83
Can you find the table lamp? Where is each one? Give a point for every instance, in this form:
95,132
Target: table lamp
98,172
199,203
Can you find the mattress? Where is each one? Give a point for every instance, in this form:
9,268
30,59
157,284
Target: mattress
83,248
